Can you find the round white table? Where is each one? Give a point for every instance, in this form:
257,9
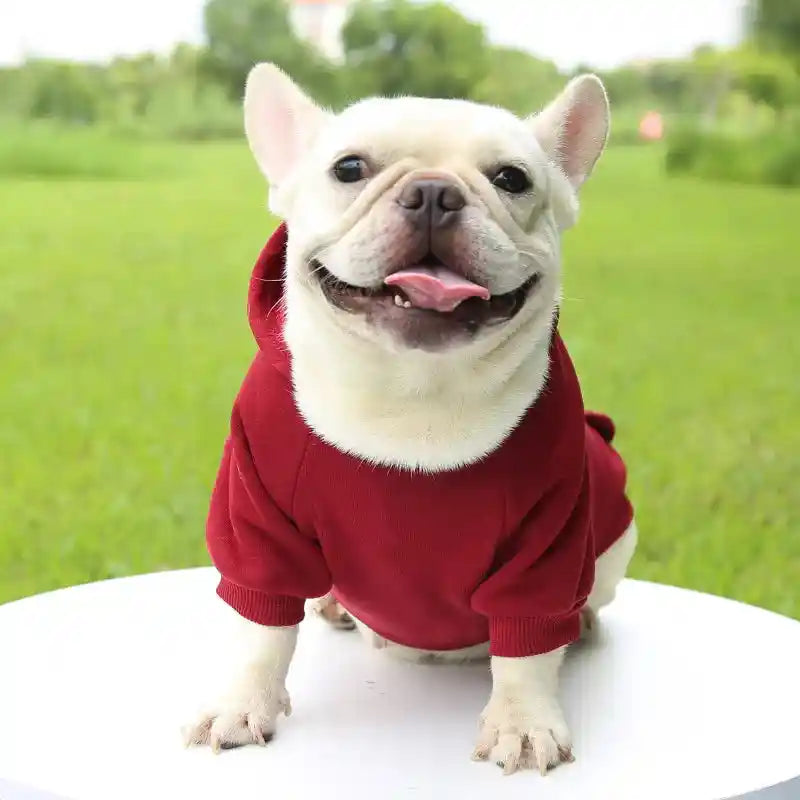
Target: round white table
682,696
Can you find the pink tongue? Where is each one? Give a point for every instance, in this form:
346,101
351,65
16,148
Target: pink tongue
436,288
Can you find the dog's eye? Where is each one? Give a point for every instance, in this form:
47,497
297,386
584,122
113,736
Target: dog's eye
512,180
350,169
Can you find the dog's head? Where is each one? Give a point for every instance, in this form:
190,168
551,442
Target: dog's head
419,223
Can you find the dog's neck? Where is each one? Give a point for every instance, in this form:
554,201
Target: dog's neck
412,410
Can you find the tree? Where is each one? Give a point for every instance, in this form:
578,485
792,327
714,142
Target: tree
14,92
518,81
768,78
670,84
131,82
627,85
776,23
397,47
62,90
241,33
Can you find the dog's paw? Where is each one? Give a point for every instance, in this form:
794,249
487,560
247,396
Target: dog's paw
236,723
333,613
523,732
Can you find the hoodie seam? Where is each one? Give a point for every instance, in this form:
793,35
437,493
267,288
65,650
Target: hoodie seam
301,468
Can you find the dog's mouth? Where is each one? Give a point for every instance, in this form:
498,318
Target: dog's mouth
430,295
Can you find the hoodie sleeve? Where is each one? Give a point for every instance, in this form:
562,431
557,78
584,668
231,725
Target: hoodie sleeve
533,600
268,566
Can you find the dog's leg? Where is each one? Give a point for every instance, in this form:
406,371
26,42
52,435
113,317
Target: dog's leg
332,612
523,725
610,569
247,713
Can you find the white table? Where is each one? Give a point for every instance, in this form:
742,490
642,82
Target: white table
683,697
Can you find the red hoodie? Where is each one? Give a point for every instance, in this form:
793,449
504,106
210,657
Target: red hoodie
502,550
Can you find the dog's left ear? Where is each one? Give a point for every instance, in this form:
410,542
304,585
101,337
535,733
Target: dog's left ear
280,120
573,129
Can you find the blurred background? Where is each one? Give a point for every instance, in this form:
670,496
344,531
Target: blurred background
131,214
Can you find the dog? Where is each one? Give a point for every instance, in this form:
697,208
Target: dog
409,452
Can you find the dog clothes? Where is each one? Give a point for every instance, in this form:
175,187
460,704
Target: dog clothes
502,550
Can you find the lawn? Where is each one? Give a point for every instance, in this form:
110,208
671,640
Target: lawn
123,340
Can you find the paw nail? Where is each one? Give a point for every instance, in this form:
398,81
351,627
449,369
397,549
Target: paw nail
566,754
229,745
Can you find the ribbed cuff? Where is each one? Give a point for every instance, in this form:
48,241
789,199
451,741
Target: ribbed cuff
517,637
264,609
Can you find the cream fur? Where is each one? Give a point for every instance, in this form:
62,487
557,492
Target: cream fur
524,712
246,712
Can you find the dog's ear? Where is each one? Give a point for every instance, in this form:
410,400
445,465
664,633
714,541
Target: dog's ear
280,120
573,129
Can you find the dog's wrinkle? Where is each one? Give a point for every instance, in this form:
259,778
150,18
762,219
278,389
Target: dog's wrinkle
326,276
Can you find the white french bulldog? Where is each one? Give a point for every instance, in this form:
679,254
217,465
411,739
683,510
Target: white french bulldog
422,285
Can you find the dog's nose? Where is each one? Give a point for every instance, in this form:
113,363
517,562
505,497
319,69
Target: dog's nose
433,202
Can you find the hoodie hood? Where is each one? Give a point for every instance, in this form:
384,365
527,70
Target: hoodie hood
265,307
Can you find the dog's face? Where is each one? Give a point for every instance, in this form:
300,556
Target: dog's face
424,224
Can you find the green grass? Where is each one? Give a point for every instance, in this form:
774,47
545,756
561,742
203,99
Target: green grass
123,340
58,152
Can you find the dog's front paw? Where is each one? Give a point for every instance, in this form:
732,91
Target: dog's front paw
238,721
521,731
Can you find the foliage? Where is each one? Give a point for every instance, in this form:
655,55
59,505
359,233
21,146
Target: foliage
766,77
772,157
628,85
150,96
144,95
516,80
56,89
241,33
776,23
396,47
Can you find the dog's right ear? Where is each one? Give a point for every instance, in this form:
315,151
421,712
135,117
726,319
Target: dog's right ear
573,129
280,120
